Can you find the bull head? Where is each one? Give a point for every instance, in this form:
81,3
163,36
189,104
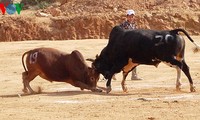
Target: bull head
94,76
93,79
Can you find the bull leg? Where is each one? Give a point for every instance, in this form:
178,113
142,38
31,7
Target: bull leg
108,85
85,86
183,66
178,80
27,78
178,65
128,68
185,69
123,81
24,76
117,67
108,76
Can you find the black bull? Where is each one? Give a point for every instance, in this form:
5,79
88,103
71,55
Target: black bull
128,49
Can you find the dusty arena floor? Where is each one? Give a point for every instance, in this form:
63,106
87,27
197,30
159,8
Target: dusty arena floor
153,98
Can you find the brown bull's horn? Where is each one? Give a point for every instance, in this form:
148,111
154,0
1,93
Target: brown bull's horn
103,88
90,59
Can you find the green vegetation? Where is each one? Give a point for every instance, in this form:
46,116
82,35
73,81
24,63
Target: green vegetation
38,4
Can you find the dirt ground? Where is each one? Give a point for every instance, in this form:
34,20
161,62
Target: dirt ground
153,98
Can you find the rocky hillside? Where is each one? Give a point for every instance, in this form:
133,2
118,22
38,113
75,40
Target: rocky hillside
88,19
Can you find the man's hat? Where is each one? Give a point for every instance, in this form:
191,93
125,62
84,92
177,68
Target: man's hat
130,12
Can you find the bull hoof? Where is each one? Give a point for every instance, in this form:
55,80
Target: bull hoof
33,92
178,89
82,89
25,90
125,89
108,89
192,89
96,90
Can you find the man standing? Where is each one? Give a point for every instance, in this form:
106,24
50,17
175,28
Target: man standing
130,24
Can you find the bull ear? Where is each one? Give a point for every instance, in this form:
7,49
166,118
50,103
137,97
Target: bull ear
90,59
92,70
97,56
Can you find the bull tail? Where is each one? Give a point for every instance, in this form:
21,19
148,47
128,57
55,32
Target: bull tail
197,47
23,61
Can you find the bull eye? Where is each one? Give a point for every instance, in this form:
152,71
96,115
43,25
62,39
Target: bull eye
92,78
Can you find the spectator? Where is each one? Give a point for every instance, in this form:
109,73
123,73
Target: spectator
129,24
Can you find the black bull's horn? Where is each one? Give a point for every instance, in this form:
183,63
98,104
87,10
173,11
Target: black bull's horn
90,59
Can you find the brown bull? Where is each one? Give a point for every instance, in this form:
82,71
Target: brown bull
54,65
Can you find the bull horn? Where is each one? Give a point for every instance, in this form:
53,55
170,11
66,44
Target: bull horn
103,88
90,59
97,55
